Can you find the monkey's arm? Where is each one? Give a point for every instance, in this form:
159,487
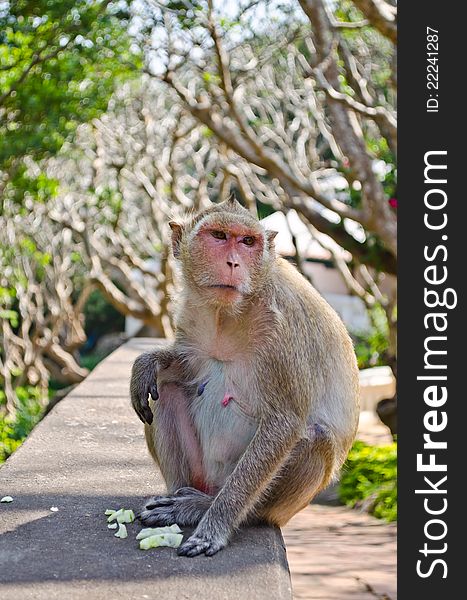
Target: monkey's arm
275,438
144,379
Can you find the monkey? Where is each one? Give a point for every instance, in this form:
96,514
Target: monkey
252,409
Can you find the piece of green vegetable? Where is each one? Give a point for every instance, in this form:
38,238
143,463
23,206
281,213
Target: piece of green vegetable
112,525
149,531
115,515
110,511
122,532
6,499
121,516
170,540
128,516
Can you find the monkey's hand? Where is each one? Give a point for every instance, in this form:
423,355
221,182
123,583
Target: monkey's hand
144,382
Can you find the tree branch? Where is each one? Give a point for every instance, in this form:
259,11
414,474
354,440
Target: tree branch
381,15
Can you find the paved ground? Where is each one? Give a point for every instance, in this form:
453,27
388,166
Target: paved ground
335,553
338,554
86,456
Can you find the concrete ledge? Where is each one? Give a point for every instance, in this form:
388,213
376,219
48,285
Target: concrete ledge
87,455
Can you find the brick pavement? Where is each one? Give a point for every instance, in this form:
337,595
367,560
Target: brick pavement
336,553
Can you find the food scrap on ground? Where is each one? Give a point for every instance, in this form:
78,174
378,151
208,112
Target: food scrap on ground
122,532
121,516
169,536
170,540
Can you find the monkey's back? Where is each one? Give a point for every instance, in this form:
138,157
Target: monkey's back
321,353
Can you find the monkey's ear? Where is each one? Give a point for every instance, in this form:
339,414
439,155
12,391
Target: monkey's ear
270,235
177,232
232,201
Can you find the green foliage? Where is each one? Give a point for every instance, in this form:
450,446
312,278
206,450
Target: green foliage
187,12
39,188
10,315
358,38
59,63
90,361
264,210
101,317
371,347
369,480
14,429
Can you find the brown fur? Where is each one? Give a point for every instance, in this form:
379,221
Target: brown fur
286,359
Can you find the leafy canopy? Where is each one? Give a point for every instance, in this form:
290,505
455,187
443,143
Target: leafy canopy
59,63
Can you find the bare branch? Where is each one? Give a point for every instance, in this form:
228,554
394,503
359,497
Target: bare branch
381,15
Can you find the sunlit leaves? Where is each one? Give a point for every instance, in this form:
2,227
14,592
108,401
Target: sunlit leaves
59,63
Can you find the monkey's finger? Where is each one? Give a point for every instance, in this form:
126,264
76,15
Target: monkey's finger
196,545
144,412
153,391
147,414
140,416
191,549
145,409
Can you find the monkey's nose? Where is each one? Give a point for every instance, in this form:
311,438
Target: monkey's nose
233,264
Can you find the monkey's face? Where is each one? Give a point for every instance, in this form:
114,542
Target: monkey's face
227,258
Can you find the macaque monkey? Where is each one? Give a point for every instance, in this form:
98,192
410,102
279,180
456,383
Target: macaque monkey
254,406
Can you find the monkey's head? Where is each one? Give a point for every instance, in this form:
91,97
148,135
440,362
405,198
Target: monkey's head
225,252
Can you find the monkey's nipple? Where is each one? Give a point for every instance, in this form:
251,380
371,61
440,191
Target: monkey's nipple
201,387
227,398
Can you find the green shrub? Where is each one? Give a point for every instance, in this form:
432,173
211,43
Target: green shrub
13,430
371,347
101,317
369,480
91,360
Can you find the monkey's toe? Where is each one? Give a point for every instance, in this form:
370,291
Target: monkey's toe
185,509
159,510
190,491
158,517
196,545
159,501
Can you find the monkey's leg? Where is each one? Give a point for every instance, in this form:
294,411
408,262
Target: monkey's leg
174,445
245,486
244,490
308,470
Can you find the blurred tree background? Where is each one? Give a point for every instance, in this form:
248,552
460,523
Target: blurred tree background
116,116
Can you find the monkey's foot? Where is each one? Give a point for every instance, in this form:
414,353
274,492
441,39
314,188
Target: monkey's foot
186,508
201,544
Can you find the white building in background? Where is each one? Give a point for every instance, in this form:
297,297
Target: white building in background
318,266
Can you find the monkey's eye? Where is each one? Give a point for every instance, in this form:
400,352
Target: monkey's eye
219,235
248,240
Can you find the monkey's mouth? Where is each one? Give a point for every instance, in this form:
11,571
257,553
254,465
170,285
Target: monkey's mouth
224,286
